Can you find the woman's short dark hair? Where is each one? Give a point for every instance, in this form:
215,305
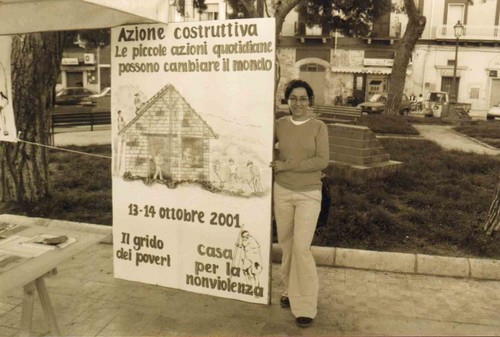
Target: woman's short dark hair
298,84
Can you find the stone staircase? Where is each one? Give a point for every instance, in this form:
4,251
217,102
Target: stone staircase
357,154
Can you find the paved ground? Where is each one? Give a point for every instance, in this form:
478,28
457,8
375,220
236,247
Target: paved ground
90,302
451,140
83,136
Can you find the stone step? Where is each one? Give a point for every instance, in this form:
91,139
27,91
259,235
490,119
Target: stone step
356,132
355,143
358,160
356,151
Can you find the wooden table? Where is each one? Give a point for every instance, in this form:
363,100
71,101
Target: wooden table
30,274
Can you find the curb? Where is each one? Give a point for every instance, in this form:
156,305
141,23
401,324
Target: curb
399,136
475,140
485,269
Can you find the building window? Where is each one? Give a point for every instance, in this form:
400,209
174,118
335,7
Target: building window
312,68
192,152
455,11
474,93
451,63
210,16
447,83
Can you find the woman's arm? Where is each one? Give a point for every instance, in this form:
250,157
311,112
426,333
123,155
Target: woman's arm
320,159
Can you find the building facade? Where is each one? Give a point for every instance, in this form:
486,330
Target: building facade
342,70
346,70
85,67
340,67
478,57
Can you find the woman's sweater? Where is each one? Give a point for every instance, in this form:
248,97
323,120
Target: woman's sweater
304,149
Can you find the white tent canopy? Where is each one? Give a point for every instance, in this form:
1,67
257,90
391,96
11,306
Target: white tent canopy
26,16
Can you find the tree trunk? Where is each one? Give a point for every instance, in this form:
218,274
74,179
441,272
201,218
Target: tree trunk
492,224
281,11
35,68
414,29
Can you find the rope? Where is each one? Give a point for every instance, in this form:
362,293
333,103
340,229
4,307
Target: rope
63,149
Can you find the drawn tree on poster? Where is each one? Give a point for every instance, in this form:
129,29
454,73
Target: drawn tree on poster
35,61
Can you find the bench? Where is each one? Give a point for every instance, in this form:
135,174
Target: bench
337,113
81,119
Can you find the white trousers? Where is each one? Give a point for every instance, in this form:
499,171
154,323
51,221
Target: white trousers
296,214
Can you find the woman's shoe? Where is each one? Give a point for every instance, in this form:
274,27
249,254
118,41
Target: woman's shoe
303,322
284,302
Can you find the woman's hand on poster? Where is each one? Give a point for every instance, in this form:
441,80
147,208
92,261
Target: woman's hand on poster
278,165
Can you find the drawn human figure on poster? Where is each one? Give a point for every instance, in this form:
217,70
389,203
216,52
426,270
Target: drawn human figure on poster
248,258
118,143
167,141
192,184
158,160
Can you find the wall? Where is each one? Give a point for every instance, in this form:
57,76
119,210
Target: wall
482,13
430,65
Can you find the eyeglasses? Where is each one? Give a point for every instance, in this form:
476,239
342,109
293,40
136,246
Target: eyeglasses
301,100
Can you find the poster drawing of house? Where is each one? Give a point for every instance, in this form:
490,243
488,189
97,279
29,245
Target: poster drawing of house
167,139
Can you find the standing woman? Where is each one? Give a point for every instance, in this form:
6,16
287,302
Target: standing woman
303,153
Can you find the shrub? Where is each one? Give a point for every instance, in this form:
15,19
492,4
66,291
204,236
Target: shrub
388,124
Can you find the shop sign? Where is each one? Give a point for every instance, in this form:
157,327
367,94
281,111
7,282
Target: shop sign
378,62
69,61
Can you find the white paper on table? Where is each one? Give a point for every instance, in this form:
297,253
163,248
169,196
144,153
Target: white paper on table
16,245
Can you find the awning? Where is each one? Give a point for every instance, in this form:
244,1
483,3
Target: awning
78,68
27,16
362,70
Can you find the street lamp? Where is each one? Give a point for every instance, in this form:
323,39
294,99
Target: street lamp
458,30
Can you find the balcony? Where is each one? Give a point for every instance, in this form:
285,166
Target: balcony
471,33
315,32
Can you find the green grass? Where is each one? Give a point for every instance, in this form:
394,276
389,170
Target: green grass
436,204
486,132
388,124
80,188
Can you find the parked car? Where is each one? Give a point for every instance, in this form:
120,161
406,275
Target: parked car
376,104
72,95
438,104
100,101
494,112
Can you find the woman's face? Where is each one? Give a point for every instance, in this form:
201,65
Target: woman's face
298,101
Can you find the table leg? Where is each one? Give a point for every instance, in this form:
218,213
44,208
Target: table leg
27,309
47,306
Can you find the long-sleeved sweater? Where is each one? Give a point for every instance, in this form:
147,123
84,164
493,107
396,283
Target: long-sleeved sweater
305,150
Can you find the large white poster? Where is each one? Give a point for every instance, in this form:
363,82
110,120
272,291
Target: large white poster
192,108
7,124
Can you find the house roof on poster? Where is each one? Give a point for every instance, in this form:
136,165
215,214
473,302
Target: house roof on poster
178,98
28,16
